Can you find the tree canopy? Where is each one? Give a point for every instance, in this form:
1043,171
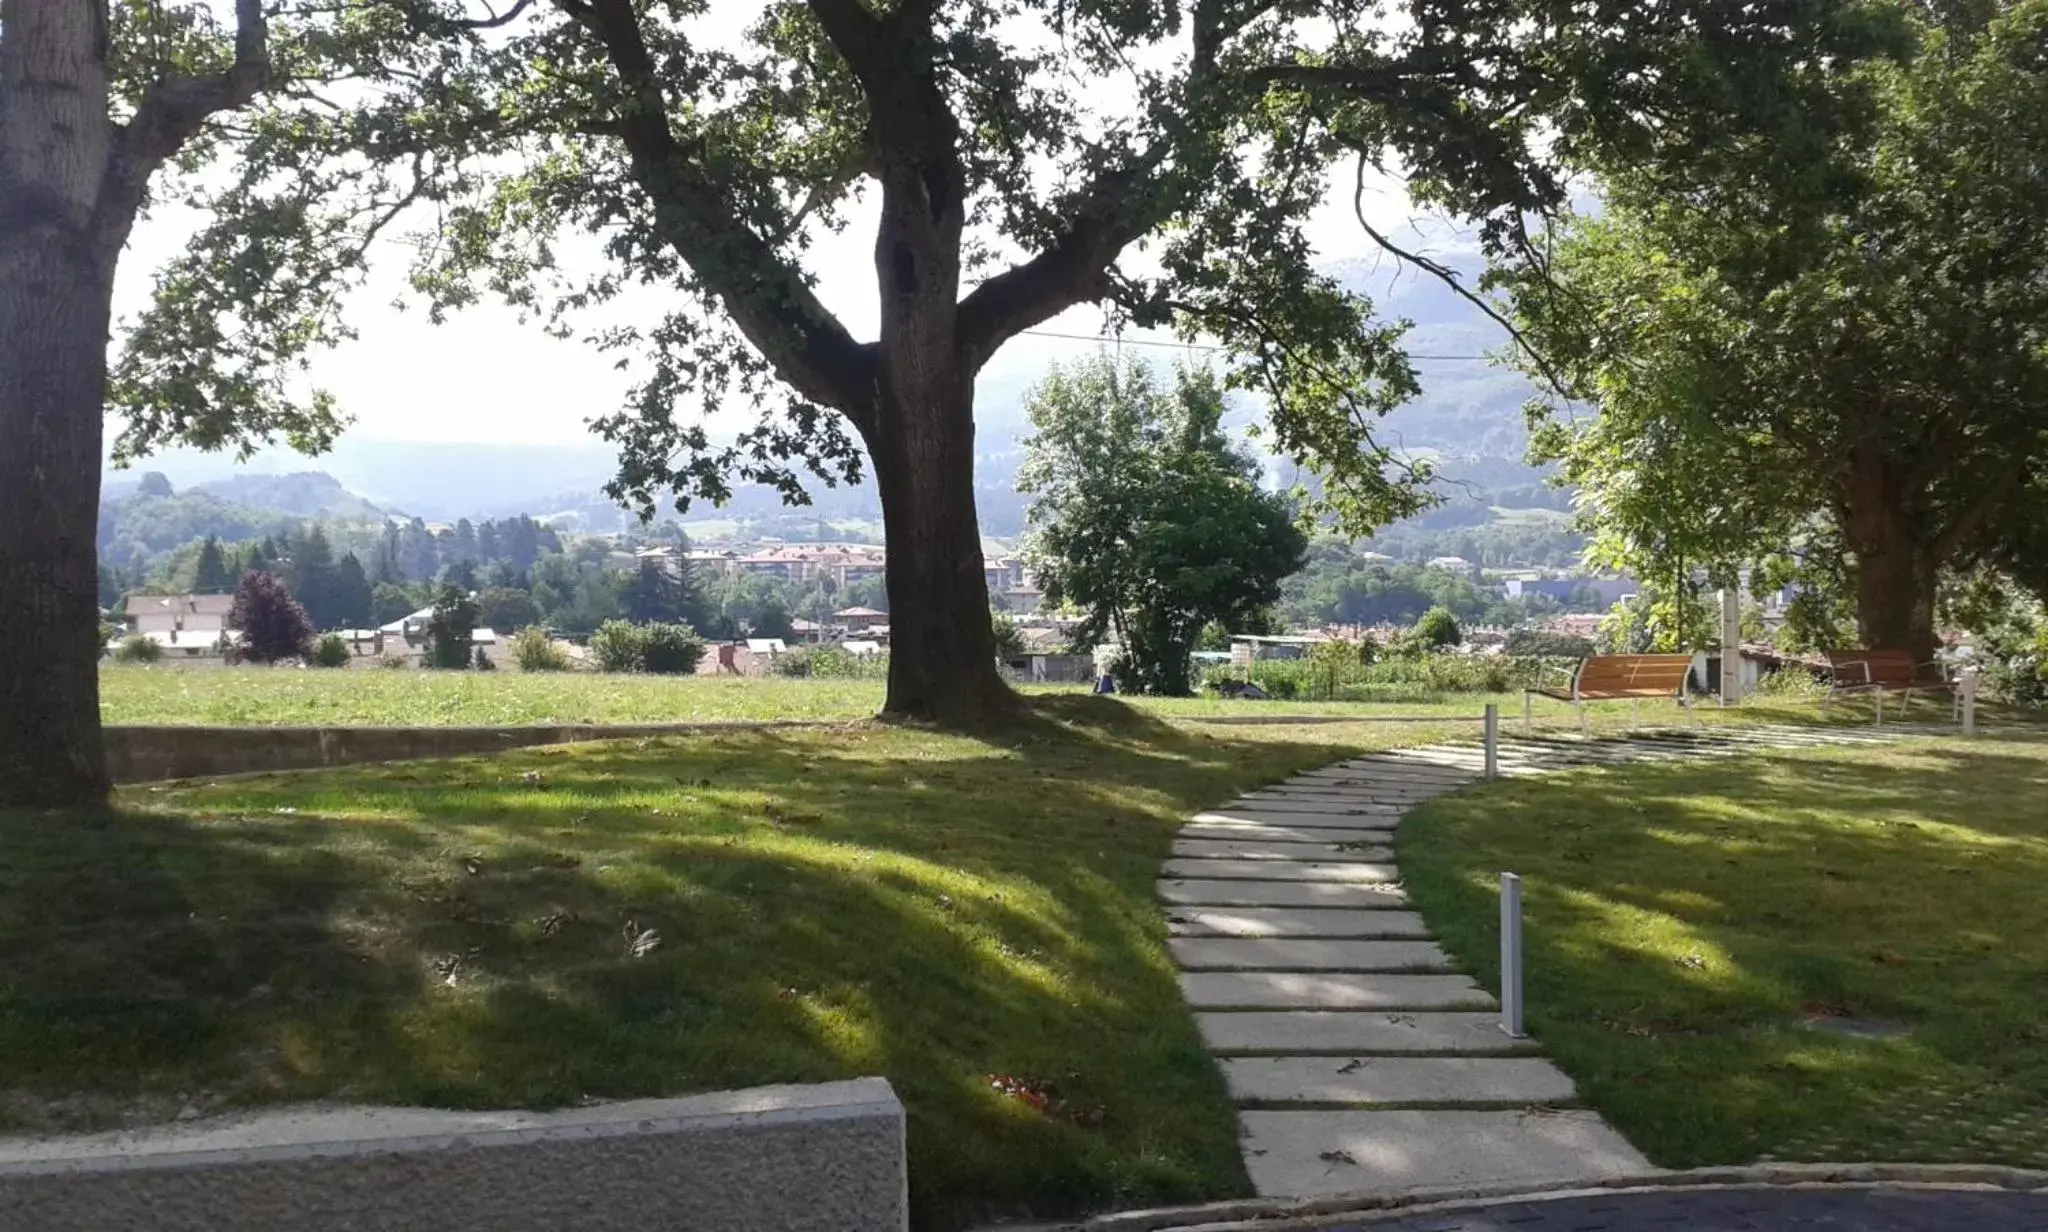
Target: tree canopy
1839,376
1145,517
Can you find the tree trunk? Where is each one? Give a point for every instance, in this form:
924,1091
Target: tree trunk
942,650
1896,572
55,300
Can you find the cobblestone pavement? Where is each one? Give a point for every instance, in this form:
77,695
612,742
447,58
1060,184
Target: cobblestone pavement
1748,1210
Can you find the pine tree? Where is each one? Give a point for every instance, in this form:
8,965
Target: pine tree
350,598
385,567
461,575
522,541
651,596
462,543
488,550
212,576
691,606
310,576
418,555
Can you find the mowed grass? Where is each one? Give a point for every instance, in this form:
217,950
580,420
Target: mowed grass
290,696
656,917
1702,936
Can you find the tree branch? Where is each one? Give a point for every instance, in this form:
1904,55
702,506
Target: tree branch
767,297
169,115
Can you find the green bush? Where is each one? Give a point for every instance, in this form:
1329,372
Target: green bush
830,663
670,649
618,647
331,650
1332,675
534,651
138,649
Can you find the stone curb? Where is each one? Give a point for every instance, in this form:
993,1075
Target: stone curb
1267,1215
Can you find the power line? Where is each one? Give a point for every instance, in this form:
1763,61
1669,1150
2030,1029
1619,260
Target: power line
1188,346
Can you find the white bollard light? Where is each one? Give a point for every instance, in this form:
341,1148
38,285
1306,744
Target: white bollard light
1511,955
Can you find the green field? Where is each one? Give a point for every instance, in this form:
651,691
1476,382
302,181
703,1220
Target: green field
809,904
1703,936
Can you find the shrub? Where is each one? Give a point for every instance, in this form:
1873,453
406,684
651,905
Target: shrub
1009,638
331,651
483,661
618,647
1438,628
138,649
669,649
450,629
394,661
534,651
273,625
830,663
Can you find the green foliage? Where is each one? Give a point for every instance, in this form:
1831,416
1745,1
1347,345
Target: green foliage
534,651
138,649
1843,359
618,646
506,610
1145,517
1009,638
391,601
272,625
330,650
1659,622
1344,676
450,630
830,663
669,649
211,575
1542,643
1438,629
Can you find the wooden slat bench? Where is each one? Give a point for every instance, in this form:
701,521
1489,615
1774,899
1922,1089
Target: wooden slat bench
1878,672
1603,678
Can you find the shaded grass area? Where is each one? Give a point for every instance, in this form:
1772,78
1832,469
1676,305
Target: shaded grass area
804,905
1701,936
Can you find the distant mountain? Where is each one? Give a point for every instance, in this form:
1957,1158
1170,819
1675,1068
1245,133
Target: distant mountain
309,494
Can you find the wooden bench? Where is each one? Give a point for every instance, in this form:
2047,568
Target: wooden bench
1603,678
1879,672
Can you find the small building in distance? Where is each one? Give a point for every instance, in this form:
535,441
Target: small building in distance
186,615
860,619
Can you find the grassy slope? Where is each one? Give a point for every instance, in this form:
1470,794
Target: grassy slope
827,902
1684,921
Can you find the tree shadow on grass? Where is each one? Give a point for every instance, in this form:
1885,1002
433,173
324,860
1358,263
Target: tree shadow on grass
653,918
1695,929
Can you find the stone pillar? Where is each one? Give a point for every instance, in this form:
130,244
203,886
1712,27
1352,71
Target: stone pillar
1731,646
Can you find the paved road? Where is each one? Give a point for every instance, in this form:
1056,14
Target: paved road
1762,1210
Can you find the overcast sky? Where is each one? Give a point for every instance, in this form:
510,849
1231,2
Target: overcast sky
483,376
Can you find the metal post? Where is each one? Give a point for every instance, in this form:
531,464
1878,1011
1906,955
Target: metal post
1511,955
1492,740
1731,647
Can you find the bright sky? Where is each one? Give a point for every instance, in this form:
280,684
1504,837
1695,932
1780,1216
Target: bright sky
484,376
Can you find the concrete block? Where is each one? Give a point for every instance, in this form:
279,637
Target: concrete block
1360,819
1274,832
1227,893
1306,954
1291,922
828,1157
1303,1153
1266,849
1281,809
1355,1031
1395,1080
1214,990
1283,870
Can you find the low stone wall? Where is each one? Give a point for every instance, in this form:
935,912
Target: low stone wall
146,754
828,1158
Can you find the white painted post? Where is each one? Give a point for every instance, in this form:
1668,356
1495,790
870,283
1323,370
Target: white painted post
1511,955
1731,647
1879,695
1966,689
1492,740
1527,720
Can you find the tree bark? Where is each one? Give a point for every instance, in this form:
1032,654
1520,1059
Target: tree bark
1896,567
55,304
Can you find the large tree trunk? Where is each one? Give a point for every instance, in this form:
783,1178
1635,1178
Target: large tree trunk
1896,569
942,652
54,308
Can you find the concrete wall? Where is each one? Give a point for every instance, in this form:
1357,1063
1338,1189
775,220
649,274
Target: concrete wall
146,754
828,1158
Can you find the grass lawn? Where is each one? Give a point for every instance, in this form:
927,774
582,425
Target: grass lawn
657,917
1694,930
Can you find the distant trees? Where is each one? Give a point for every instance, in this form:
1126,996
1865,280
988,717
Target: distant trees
506,610
271,625
350,597
1144,516
390,601
663,591
1438,629
212,576
451,629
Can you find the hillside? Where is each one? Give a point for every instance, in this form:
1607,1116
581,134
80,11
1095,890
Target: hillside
310,494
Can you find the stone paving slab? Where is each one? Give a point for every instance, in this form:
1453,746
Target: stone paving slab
1272,832
1306,954
1288,810
1212,893
1315,819
1283,870
1315,990
1356,1031
1305,1153
1350,851
1395,1080
1291,922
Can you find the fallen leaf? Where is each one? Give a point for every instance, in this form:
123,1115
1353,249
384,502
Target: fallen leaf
1337,1157
640,942
1351,1067
1693,962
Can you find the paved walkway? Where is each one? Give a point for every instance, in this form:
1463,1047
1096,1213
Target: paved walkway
1360,1058
1745,1210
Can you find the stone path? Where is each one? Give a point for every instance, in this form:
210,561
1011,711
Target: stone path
1360,1058
1741,1210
